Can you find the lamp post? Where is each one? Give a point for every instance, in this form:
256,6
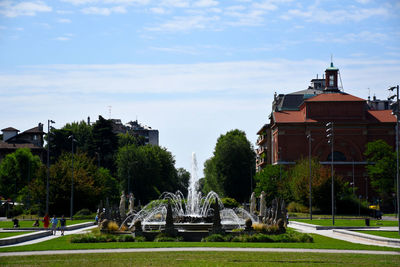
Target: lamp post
396,112
309,165
330,135
48,164
72,179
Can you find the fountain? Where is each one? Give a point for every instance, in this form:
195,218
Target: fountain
192,214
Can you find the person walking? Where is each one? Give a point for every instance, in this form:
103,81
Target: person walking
63,223
54,222
46,221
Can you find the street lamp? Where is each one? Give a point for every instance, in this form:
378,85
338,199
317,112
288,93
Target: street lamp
72,179
330,136
309,165
396,112
48,164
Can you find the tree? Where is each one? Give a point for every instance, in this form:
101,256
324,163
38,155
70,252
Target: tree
91,184
147,171
16,171
183,177
228,171
273,181
382,170
104,142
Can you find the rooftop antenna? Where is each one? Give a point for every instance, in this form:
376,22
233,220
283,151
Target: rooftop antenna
109,112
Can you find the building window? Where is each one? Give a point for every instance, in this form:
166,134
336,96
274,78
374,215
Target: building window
331,80
337,156
35,137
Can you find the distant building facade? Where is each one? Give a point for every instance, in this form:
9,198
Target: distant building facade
32,139
356,122
149,135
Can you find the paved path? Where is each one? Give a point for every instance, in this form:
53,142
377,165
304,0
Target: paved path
135,250
58,234
331,234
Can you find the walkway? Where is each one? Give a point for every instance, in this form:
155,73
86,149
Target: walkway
330,233
197,249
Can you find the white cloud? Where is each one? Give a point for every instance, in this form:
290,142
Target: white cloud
205,3
314,14
64,21
175,3
26,8
158,10
119,2
104,11
186,23
62,38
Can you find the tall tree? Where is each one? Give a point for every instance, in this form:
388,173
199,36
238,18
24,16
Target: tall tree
147,171
16,171
382,170
230,169
104,142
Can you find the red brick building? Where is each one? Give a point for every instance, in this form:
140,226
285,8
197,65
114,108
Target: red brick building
355,124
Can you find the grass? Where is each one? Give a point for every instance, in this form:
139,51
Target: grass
204,259
320,242
347,222
25,224
8,234
389,234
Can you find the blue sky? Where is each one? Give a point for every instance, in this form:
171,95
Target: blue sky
193,69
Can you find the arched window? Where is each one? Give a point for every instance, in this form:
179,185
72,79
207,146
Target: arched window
337,156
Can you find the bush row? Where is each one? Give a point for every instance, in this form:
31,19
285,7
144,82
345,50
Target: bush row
290,237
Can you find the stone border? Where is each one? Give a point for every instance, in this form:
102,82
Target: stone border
39,234
319,227
23,238
67,228
371,238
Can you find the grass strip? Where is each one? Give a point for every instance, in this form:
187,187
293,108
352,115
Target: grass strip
388,234
204,259
347,222
8,234
26,224
320,242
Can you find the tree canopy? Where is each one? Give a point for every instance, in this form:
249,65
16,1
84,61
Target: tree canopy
229,170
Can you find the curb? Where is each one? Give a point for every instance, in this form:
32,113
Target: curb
23,238
376,239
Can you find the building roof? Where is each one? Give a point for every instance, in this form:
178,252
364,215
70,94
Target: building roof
381,116
34,130
335,97
5,145
288,116
9,129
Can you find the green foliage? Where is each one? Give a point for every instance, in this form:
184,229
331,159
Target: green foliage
297,207
230,202
217,238
129,139
90,184
273,180
288,237
229,170
383,172
101,238
162,237
149,169
17,170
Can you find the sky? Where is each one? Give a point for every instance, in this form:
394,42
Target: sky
193,69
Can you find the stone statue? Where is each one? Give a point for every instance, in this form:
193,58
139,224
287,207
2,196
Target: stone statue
263,204
122,205
131,203
253,203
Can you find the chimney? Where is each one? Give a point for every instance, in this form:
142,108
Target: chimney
40,127
88,120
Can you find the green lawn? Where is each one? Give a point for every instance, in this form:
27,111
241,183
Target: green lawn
347,222
320,242
203,259
23,224
4,235
389,234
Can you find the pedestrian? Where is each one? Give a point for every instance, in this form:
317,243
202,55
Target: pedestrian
46,221
63,223
36,223
54,222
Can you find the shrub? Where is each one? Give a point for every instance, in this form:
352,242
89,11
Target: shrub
125,238
266,229
162,237
112,226
213,238
140,239
230,202
83,212
297,207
